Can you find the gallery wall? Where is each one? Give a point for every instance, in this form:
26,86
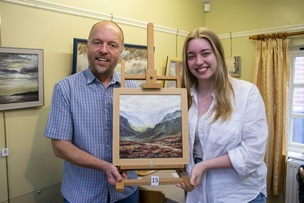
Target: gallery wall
236,20
31,173
34,174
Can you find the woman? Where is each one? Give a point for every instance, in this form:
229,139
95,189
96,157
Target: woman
227,127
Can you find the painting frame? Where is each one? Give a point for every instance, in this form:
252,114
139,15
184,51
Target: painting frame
80,50
233,64
171,71
123,96
135,56
22,79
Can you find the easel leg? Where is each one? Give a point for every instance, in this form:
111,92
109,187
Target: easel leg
185,177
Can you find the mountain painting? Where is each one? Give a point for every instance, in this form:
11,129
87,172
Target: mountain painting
150,126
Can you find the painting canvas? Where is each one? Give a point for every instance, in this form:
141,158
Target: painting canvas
150,127
234,65
80,51
135,57
171,71
21,73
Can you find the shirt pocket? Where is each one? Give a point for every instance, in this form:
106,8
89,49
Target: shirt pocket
225,136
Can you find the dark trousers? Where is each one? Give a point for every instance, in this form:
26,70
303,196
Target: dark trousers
134,198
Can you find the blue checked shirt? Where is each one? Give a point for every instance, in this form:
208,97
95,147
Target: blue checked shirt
81,112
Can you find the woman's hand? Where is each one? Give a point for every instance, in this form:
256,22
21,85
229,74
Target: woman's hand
196,176
197,172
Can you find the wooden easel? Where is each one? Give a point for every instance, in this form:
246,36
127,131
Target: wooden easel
151,83
151,76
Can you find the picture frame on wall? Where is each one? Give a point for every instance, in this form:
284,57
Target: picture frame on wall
135,57
22,82
171,71
150,128
234,65
80,51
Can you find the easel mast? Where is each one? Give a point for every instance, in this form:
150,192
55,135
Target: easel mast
151,83
151,76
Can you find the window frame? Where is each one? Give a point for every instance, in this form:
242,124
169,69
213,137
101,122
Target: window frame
293,147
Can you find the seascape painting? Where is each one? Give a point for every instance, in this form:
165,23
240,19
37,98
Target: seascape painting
150,126
19,78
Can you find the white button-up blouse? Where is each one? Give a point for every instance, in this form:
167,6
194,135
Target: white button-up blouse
243,137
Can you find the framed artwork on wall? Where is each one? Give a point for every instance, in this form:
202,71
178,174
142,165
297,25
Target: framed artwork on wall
150,128
135,57
234,65
80,51
171,71
21,73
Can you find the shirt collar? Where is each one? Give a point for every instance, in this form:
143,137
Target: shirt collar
90,77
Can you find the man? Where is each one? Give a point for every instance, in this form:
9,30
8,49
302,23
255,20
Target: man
80,123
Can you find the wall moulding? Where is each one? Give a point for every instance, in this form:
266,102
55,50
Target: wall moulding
61,8
291,28
47,5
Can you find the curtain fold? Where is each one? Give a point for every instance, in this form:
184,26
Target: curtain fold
271,74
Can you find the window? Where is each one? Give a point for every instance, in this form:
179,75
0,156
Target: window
296,103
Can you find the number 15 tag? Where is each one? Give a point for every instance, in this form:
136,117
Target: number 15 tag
154,180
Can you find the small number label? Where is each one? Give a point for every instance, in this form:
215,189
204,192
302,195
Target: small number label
154,180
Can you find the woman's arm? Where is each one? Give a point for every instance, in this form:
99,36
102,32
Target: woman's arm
200,168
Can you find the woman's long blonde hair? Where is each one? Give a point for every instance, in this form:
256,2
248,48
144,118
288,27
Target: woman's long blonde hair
222,85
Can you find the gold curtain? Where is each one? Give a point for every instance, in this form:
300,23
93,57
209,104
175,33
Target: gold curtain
271,74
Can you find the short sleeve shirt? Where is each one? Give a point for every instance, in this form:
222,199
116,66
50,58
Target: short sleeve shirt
81,112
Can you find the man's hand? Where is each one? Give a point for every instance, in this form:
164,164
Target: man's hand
113,174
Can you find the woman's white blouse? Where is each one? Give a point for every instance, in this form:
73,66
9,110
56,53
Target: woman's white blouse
243,138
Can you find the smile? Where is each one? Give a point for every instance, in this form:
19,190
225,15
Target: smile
102,59
203,69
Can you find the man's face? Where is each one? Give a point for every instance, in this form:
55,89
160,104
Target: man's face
105,45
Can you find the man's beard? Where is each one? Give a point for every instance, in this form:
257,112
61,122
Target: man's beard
101,70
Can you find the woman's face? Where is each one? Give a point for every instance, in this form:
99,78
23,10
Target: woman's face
201,59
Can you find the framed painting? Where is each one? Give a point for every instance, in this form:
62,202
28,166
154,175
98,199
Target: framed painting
80,51
150,128
171,71
234,65
135,57
21,73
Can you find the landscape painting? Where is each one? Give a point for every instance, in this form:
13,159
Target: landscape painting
155,131
21,74
150,125
135,57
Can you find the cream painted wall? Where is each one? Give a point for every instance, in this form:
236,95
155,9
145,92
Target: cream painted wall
3,176
31,163
240,16
181,14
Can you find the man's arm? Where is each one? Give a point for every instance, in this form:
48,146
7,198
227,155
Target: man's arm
66,150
